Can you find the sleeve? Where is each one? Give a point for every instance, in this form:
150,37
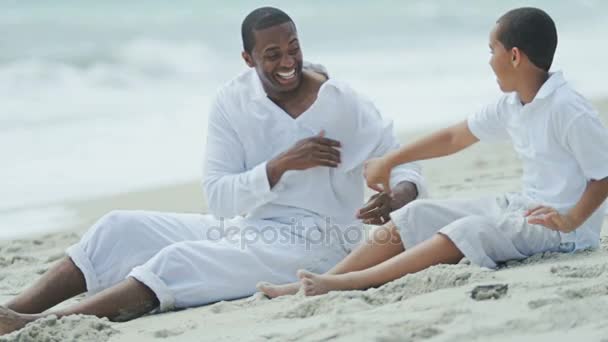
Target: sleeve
488,124
587,139
229,188
411,172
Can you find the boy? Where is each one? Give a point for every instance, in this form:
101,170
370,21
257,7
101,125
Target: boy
564,151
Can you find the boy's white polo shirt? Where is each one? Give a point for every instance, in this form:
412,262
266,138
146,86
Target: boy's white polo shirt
562,145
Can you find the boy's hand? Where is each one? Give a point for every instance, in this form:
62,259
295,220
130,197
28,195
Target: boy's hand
377,173
550,218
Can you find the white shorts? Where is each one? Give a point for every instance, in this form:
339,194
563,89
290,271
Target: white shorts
190,260
486,230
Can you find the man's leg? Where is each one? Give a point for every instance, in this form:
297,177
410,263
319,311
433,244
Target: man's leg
437,250
107,252
124,301
194,273
62,281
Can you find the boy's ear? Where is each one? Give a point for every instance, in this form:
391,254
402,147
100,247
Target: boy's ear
248,59
515,57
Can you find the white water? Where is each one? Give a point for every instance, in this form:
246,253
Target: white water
109,97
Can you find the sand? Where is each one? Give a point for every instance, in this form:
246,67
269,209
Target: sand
548,297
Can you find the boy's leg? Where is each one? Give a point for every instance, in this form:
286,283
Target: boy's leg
484,240
384,243
437,250
412,224
126,300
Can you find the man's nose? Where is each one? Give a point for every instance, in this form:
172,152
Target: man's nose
288,61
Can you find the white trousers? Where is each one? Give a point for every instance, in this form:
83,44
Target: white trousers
486,230
190,260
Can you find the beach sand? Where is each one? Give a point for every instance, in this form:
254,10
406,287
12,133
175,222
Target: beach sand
550,297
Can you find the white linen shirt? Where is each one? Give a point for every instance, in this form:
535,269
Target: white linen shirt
246,129
562,145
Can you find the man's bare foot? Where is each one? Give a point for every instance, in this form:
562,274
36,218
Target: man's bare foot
11,321
317,284
274,291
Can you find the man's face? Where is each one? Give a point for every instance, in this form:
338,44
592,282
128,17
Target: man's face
277,58
502,62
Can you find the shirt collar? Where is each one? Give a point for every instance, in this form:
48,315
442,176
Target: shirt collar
555,80
257,89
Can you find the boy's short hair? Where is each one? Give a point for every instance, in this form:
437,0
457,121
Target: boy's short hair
259,19
532,31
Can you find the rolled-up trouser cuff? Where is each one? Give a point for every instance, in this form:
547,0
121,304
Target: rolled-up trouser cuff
160,289
82,261
460,239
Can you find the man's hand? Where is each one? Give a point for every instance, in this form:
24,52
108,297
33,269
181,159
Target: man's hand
550,218
305,154
377,210
377,173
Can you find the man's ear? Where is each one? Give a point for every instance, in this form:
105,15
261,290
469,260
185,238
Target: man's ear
248,59
516,57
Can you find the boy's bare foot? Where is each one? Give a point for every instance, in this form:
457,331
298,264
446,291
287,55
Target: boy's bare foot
11,321
317,284
274,291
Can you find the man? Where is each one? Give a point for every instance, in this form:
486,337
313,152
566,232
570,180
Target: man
286,146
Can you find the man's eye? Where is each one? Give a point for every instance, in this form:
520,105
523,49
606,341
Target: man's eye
272,57
294,51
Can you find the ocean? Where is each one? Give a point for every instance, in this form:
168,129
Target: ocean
98,98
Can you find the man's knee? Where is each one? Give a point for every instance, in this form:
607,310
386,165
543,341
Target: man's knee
413,211
113,226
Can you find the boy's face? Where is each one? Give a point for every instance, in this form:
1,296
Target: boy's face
504,63
277,58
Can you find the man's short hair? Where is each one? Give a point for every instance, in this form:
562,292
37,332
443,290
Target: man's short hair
532,31
259,19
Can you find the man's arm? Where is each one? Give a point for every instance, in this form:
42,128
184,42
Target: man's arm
305,154
231,189
407,183
403,193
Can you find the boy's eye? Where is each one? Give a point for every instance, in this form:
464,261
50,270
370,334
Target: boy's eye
273,56
294,51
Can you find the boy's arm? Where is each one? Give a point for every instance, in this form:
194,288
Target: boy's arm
442,143
593,197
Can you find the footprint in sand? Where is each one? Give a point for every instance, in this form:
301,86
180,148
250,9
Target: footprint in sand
223,307
584,292
334,302
539,303
588,271
166,333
